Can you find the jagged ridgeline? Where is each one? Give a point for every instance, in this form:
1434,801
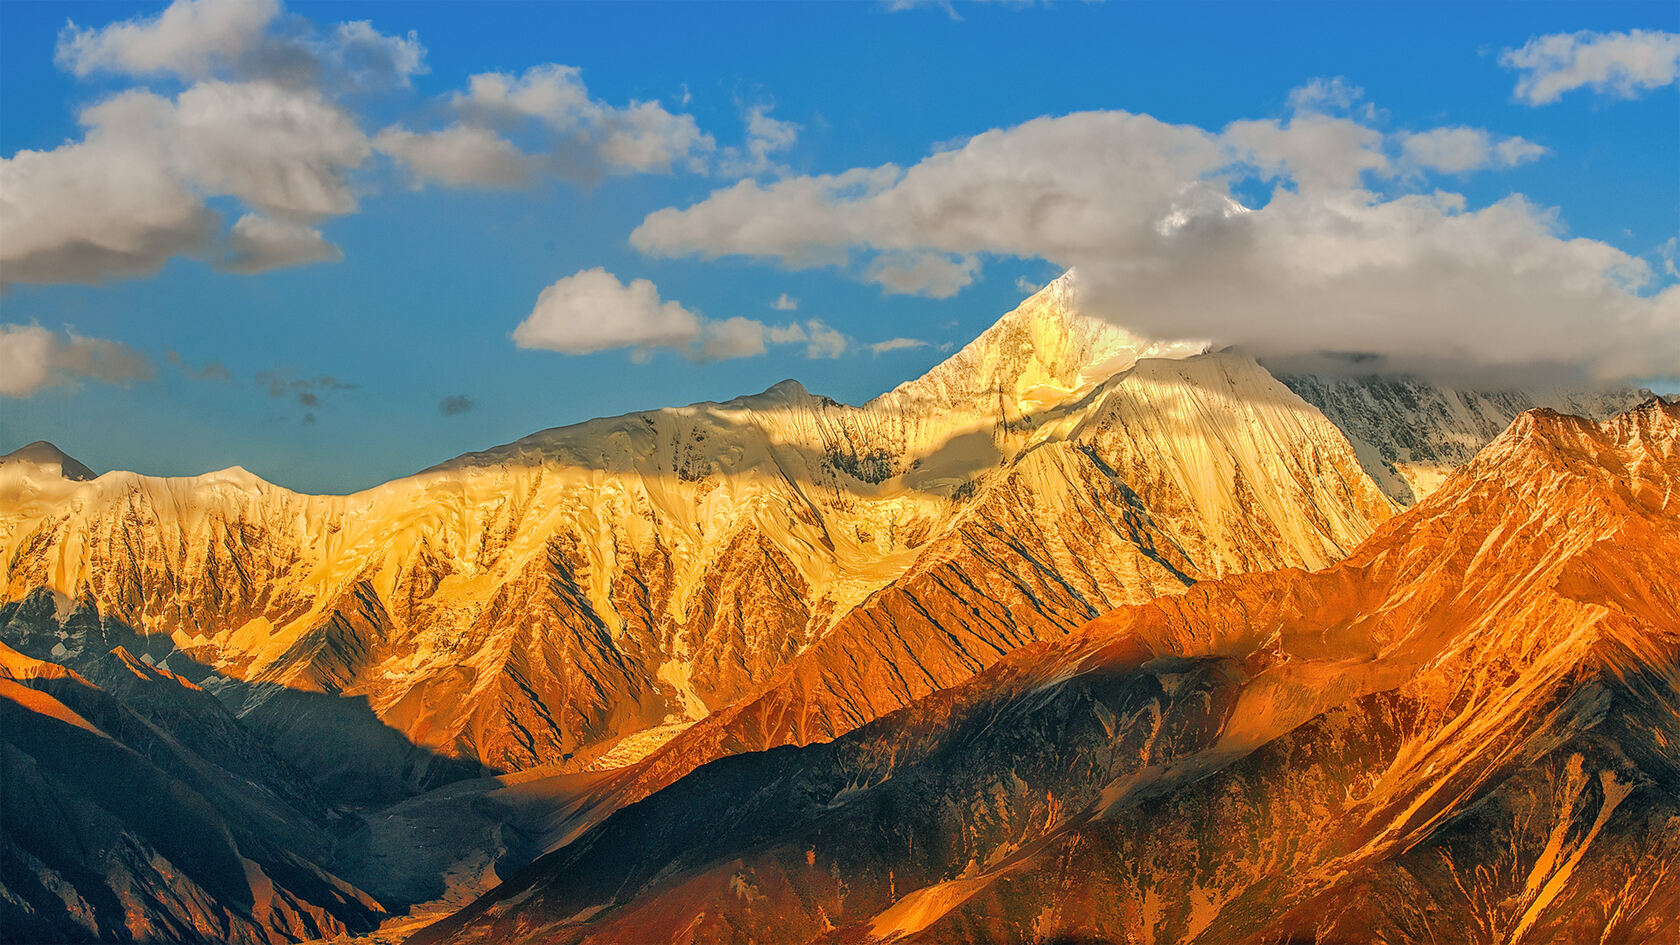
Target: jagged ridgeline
1464,732
634,597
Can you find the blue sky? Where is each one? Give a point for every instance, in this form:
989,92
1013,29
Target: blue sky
332,375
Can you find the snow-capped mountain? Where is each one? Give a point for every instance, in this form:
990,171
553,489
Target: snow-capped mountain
1464,731
540,602
600,609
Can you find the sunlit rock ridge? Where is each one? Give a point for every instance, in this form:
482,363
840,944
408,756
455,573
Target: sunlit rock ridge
599,610
1465,731
538,602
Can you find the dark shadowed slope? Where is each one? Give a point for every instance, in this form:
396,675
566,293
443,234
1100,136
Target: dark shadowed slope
138,809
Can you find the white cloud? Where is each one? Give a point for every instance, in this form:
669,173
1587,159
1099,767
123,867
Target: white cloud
458,156
112,204
1143,210
1315,151
1625,65
32,357
575,135
259,244
1325,94
593,311
1458,150
189,38
1027,285
131,194
935,275
252,124
785,303
895,344
278,150
245,40
731,338
820,340
766,136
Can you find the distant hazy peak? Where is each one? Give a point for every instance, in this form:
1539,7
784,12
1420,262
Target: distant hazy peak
44,454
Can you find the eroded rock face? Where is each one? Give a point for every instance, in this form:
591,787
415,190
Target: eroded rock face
539,603
1465,731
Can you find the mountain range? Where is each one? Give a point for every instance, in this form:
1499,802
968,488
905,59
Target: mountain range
1167,571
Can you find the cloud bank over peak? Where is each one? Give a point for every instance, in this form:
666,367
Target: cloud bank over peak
1356,250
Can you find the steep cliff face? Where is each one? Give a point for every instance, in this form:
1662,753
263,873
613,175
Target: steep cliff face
542,602
1464,731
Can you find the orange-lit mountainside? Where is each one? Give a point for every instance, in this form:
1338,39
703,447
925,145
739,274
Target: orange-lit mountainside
233,712
1465,731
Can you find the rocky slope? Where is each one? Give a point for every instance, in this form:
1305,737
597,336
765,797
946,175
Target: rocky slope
582,593
1410,433
1466,731
136,808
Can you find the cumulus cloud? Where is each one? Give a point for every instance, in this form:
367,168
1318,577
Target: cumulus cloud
936,275
571,134
820,339
252,124
456,405
33,357
112,204
1144,211
458,156
259,244
244,39
593,311
1458,150
131,194
730,338
188,38
1624,65
784,303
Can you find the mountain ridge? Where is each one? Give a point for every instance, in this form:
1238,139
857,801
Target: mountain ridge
1339,754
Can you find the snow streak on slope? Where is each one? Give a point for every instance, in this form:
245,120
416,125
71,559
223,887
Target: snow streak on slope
1465,732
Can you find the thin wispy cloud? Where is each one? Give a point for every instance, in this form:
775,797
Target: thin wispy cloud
33,358
307,391
896,344
214,371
